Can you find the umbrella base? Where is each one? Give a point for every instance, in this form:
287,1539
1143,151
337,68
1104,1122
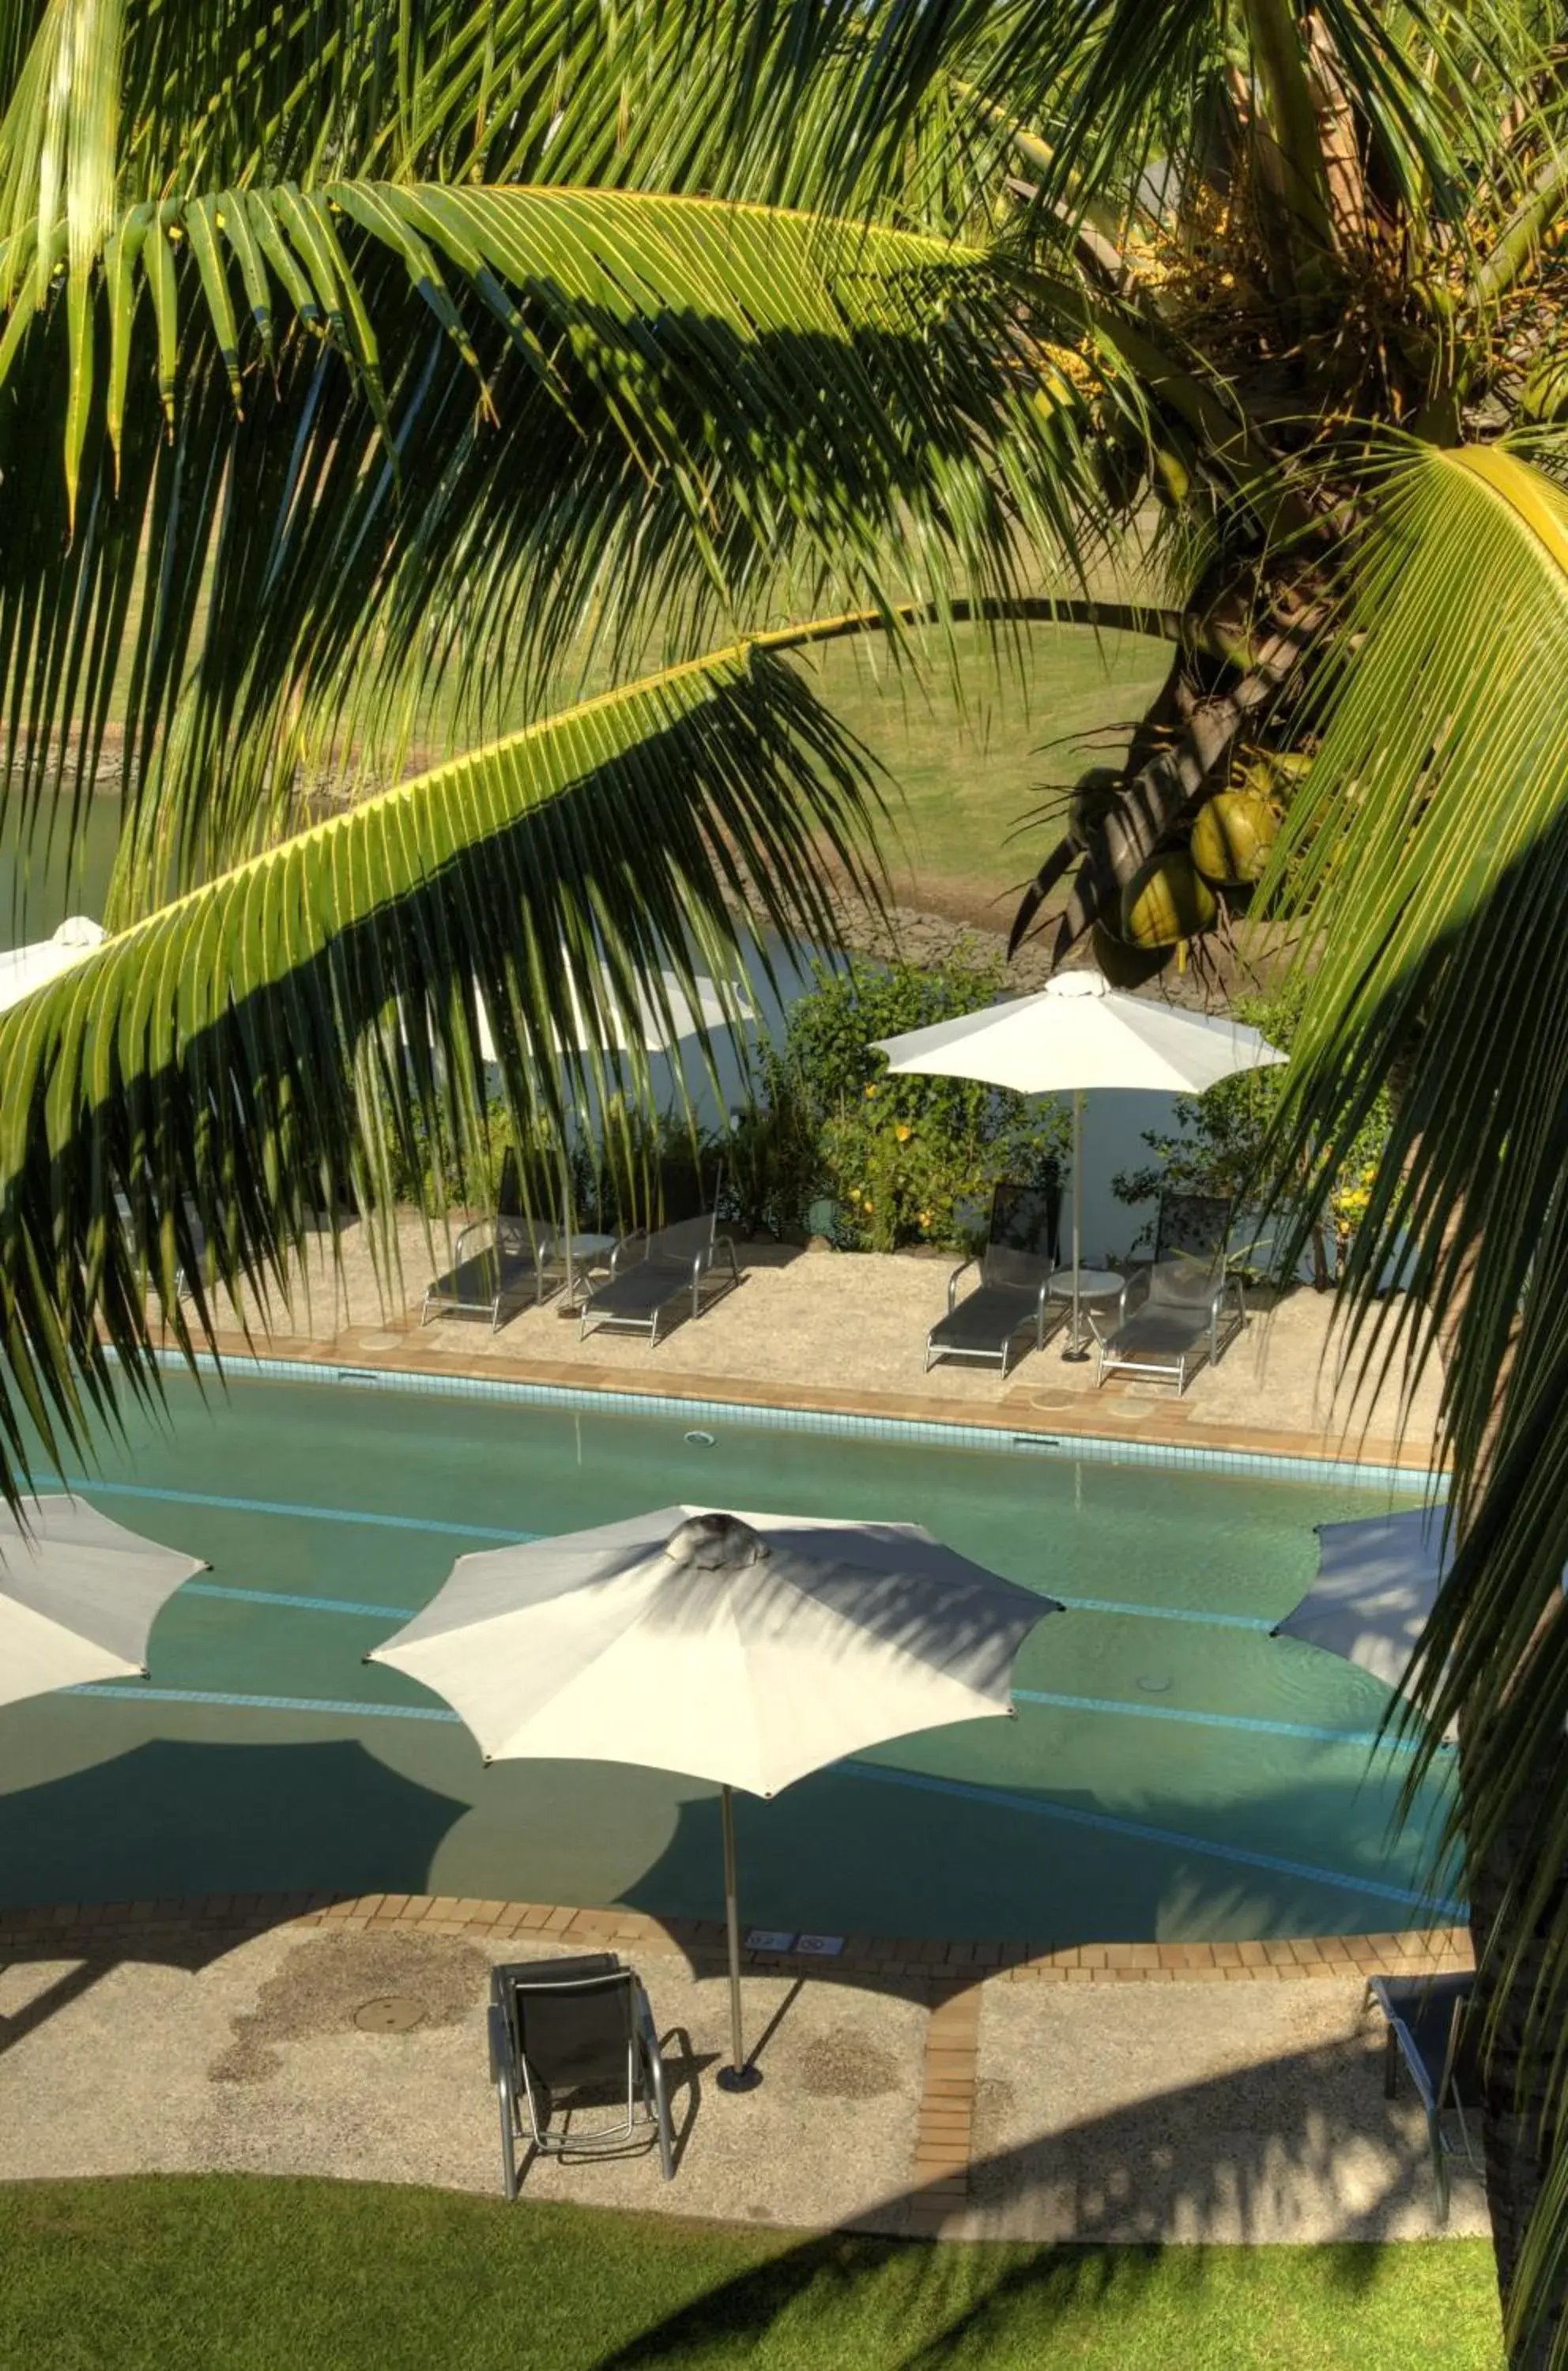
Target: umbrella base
1075,1358
738,2078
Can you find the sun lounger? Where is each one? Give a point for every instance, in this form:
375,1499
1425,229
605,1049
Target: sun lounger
501,1264
1182,1308
1010,1303
567,2037
1430,2035
653,1274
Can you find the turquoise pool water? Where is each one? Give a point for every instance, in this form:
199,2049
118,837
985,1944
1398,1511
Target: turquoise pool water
1173,1773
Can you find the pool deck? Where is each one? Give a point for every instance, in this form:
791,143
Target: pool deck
844,1334
1074,2097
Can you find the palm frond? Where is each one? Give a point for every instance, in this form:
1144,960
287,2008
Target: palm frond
1431,852
257,1049
474,422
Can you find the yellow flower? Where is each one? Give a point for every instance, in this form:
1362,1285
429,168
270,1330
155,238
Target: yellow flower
925,1218
867,1206
902,1132
870,1090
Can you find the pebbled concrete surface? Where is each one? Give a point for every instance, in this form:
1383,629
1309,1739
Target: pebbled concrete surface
1146,2112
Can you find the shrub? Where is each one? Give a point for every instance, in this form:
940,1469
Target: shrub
906,1159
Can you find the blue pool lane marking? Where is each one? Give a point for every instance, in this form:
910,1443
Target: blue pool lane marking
1168,1614
1365,1737
993,1798
132,1694
520,1539
1172,1839
299,1604
96,1489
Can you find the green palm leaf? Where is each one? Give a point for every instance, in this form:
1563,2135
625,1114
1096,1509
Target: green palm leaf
1431,851
490,418
268,1040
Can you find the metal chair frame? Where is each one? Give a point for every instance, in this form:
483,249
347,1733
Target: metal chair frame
1034,1301
686,1247
520,1247
1393,1996
1186,1272
525,2117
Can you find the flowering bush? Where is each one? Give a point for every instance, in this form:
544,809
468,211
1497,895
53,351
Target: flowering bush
1220,1148
901,1160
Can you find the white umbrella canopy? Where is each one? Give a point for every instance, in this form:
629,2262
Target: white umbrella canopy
662,1014
78,1596
747,1649
1077,1033
1377,1582
24,968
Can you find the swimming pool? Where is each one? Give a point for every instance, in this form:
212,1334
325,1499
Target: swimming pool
1174,1774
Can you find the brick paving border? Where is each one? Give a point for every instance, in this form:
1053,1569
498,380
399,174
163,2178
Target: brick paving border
147,1926
944,2129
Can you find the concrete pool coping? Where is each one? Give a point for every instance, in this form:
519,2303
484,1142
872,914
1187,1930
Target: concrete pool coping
1111,1427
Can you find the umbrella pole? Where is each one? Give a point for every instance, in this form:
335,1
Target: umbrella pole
737,2075
1074,1349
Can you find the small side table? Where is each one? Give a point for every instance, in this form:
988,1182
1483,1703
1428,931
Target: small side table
584,1253
1091,1284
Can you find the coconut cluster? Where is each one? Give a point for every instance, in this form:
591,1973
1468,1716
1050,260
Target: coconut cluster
1175,893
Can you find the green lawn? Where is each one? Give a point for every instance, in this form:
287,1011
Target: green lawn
969,751
967,773
223,2273
972,741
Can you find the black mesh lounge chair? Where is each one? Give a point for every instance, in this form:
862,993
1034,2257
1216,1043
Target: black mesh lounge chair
1182,1308
1011,1302
653,1274
1431,2033
502,1264
574,2040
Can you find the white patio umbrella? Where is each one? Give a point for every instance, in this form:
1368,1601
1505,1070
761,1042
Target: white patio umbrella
78,1596
748,1650
1378,1581
642,1026
24,968
1077,1033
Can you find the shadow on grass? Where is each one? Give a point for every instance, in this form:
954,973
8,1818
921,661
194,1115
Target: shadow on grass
1221,2154
910,2307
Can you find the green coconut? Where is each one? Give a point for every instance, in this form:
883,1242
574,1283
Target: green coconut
1166,900
1232,837
1122,966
